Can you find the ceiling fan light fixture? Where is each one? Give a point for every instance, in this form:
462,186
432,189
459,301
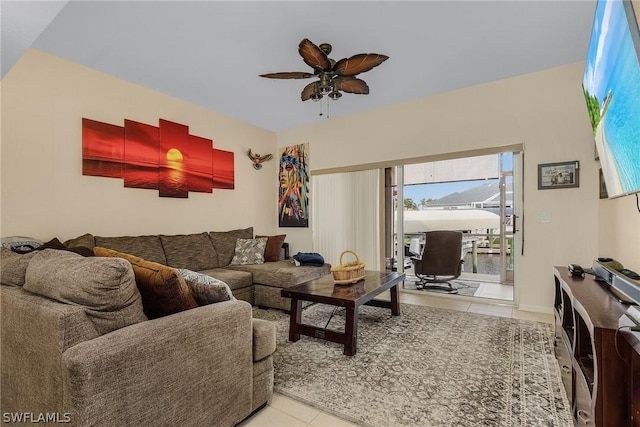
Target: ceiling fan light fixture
333,77
335,95
324,86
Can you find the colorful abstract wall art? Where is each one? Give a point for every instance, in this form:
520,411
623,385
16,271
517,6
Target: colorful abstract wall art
164,158
293,177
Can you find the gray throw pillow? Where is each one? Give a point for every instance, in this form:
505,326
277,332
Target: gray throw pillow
104,287
206,289
249,251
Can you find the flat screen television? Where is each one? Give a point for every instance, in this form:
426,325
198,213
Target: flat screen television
611,86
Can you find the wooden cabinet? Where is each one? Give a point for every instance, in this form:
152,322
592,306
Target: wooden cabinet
594,367
633,338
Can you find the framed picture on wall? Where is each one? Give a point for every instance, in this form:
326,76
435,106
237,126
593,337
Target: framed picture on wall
293,186
558,175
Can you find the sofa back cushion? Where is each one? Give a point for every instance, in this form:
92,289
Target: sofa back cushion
146,247
224,243
13,267
163,289
86,240
105,288
189,251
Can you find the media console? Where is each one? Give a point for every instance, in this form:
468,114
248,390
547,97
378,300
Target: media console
594,368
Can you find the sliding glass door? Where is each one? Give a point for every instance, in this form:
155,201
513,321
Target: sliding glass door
473,195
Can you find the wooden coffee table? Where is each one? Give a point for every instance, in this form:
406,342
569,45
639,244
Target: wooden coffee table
351,297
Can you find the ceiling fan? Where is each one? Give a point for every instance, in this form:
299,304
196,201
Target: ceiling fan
333,77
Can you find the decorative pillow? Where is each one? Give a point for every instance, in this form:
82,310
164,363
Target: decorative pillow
206,289
224,243
249,251
57,244
274,247
13,266
163,289
20,244
105,288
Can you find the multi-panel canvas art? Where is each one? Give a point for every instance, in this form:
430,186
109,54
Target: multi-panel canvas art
165,158
103,156
293,181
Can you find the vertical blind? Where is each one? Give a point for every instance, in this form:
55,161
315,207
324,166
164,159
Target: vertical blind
346,215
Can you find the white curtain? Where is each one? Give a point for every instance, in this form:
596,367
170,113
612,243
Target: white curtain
346,215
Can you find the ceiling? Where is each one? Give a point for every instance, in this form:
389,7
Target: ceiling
210,53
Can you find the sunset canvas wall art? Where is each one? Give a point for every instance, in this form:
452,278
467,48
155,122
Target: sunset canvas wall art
165,158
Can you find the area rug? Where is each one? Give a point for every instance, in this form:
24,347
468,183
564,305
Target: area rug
464,287
427,367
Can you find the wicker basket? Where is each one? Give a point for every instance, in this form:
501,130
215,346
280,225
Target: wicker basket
350,272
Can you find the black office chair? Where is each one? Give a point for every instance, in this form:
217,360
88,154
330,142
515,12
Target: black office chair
441,261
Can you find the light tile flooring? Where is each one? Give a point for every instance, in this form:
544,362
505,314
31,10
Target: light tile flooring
285,412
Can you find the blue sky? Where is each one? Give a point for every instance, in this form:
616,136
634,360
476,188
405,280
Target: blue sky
610,24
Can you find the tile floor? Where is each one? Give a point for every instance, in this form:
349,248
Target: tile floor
285,412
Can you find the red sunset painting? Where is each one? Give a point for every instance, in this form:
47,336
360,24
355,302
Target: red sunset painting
164,158
102,149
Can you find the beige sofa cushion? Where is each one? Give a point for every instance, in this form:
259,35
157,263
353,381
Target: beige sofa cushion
105,288
86,240
145,247
234,279
13,266
224,243
163,289
282,274
190,251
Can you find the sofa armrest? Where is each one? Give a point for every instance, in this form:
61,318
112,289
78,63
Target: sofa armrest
189,368
264,339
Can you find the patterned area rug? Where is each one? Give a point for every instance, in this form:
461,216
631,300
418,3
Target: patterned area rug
464,287
427,367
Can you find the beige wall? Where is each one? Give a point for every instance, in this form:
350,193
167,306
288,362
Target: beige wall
44,193
619,231
545,111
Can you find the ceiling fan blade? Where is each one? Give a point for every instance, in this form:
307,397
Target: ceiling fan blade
308,91
352,85
287,75
358,64
313,56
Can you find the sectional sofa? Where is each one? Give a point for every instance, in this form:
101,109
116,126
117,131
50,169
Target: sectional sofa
80,344
77,348
211,253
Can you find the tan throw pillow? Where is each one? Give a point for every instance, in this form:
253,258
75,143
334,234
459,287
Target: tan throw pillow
105,288
274,247
249,251
163,289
